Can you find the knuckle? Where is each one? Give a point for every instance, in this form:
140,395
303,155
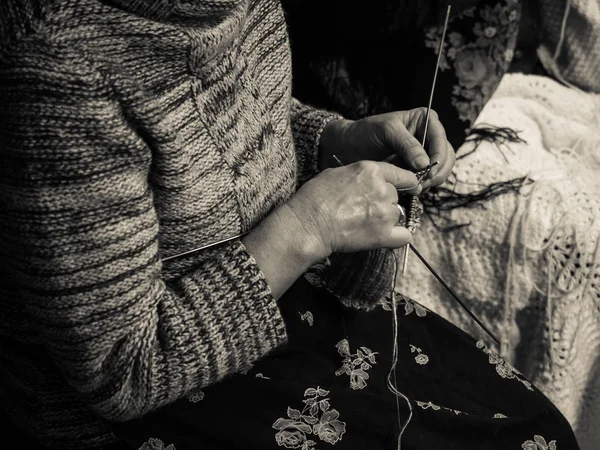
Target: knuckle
382,190
387,127
364,166
367,168
376,212
410,145
422,110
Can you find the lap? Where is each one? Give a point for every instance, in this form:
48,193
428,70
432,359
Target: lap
328,386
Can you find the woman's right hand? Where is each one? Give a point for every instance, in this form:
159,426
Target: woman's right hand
353,208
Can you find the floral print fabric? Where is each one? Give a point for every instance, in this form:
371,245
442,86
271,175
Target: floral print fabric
355,365
316,418
395,71
326,389
479,49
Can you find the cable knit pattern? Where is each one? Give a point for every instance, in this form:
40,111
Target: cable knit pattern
132,130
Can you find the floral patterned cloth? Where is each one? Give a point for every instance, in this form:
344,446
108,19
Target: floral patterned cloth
393,69
327,389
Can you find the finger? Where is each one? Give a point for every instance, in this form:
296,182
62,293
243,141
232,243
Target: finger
444,171
399,237
403,144
390,193
435,141
401,179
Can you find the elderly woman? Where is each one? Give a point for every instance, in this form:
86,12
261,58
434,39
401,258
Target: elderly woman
133,132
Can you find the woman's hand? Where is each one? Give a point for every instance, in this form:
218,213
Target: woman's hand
398,133
354,207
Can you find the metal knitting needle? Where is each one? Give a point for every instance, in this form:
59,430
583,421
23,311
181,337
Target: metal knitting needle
433,272
223,241
204,247
437,67
451,292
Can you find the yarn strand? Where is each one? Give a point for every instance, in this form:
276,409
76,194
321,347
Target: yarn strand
391,380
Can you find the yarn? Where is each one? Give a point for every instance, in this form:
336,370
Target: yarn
446,198
391,376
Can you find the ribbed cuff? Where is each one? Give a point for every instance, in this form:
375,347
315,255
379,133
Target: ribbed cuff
242,319
307,125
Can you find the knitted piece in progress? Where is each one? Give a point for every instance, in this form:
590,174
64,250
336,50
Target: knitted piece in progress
362,280
528,264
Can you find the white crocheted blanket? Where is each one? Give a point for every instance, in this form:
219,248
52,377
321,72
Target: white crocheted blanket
529,262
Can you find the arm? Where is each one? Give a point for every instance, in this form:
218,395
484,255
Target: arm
80,243
308,124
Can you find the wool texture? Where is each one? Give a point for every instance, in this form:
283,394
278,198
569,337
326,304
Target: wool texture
131,131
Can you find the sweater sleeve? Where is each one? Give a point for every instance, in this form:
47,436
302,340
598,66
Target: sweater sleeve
80,242
307,125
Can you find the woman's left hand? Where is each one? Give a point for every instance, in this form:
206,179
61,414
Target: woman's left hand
376,138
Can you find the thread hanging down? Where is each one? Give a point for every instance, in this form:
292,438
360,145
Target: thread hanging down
391,380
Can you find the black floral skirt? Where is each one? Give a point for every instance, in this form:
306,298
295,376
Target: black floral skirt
327,388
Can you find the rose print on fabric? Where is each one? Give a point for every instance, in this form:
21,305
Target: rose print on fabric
314,274
427,405
539,443
504,369
409,305
156,444
421,357
386,301
480,57
316,419
355,365
433,406
307,316
196,396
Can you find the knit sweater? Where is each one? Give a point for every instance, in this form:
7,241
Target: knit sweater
131,131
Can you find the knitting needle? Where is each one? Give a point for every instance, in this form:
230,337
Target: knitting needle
204,247
223,241
451,292
437,67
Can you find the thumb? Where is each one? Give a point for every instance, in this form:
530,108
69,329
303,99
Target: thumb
403,144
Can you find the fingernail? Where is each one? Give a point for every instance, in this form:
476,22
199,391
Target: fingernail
421,162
